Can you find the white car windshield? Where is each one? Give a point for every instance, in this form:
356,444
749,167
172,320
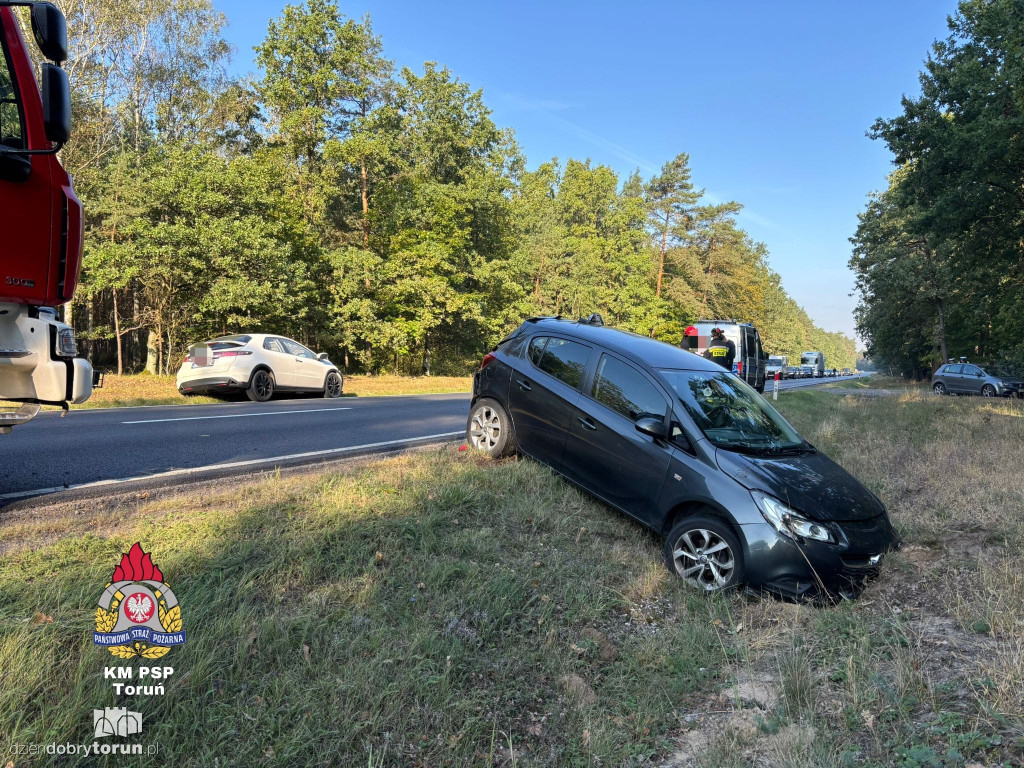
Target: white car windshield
732,415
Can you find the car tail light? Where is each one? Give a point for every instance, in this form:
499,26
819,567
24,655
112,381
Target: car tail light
488,359
739,368
232,353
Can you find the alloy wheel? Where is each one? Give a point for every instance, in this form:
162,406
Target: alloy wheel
939,388
261,383
704,559
988,391
333,385
485,429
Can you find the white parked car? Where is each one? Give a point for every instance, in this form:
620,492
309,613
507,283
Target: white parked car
259,364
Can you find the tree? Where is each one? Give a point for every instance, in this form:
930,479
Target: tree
671,198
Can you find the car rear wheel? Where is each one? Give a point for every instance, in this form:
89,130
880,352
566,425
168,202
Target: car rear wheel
333,384
939,388
261,387
705,553
988,391
489,429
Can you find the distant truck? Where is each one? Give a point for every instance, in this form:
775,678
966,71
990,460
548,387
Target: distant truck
749,363
776,364
816,360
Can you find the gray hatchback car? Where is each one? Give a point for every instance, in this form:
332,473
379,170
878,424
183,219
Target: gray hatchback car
968,379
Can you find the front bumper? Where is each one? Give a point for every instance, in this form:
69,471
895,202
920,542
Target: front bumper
31,371
815,569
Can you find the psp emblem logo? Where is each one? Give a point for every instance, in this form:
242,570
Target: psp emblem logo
138,615
116,721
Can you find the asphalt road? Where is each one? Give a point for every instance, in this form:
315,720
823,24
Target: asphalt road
178,442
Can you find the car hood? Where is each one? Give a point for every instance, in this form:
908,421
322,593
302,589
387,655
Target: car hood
810,483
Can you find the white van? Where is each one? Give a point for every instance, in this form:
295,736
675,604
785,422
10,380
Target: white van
749,363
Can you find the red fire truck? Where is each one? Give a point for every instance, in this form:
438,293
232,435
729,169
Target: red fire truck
40,222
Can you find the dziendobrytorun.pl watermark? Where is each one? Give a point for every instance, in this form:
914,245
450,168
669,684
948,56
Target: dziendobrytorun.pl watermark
82,750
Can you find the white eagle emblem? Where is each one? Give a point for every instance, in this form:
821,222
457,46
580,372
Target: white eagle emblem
139,607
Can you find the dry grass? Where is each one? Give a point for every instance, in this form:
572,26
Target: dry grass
546,631
121,391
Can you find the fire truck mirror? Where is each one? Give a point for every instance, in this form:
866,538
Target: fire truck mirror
56,93
51,31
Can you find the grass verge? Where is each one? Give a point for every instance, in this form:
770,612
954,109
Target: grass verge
435,609
132,390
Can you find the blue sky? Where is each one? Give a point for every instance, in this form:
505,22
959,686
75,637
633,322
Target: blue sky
771,99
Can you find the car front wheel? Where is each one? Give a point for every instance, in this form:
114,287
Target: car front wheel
988,391
705,553
332,385
261,387
939,388
489,429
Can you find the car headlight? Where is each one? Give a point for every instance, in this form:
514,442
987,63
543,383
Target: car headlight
787,521
66,346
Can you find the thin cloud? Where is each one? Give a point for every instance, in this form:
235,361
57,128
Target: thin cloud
551,109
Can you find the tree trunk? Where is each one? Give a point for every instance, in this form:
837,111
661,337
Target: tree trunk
366,206
152,352
942,332
664,247
117,335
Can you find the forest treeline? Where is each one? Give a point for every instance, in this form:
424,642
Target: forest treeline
938,254
375,213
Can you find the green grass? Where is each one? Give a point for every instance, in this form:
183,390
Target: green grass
436,609
425,610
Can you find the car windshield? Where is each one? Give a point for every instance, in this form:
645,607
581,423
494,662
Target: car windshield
775,361
732,415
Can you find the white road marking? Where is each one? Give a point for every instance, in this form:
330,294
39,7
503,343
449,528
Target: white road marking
235,415
230,465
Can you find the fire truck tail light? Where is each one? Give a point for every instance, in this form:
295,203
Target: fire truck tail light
66,346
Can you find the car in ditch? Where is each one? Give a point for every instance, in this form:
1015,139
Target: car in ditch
687,449
968,379
258,364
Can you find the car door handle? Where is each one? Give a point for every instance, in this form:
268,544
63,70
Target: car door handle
524,385
587,423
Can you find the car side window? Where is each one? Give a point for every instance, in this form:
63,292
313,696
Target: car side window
954,368
564,359
294,348
273,345
625,389
972,370
537,349
515,347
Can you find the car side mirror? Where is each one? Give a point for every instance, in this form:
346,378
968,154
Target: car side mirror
50,29
978,375
322,356
656,428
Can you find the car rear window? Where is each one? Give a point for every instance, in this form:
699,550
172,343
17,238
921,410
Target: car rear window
563,359
953,369
229,342
624,389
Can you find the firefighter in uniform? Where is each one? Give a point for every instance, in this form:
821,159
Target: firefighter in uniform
721,350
